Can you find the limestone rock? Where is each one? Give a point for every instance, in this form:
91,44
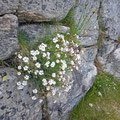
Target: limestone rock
61,104
89,33
8,6
110,20
16,104
8,35
44,10
35,32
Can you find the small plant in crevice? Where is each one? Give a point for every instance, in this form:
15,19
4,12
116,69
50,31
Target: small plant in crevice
48,62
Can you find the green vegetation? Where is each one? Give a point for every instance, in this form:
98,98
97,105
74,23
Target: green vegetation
102,102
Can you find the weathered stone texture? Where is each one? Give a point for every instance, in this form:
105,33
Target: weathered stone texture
44,10
110,21
60,106
8,6
35,32
16,104
8,35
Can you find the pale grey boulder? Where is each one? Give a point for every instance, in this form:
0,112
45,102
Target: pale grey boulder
8,36
110,20
89,33
44,10
16,104
59,106
8,6
35,32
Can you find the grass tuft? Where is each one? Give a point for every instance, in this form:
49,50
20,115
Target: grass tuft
106,106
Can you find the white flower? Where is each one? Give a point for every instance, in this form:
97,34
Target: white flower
53,74
26,77
48,88
32,52
37,65
61,49
44,54
40,101
34,58
99,93
19,56
25,68
78,56
66,49
26,59
77,68
47,63
72,62
20,87
57,61
35,91
42,47
51,82
58,55
19,67
24,83
48,55
55,40
37,52
36,72
90,104
44,82
41,72
34,98
57,45
52,64
64,66
18,83
18,73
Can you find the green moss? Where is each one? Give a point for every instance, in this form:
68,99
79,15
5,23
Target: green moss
105,107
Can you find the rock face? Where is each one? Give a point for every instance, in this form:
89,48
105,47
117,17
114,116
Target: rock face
35,32
59,106
44,10
110,20
89,33
37,10
17,105
8,35
14,104
8,6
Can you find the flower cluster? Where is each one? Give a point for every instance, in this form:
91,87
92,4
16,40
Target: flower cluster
48,64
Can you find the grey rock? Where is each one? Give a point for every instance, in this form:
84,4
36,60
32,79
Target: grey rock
8,6
110,20
35,32
37,10
59,106
88,35
14,105
8,35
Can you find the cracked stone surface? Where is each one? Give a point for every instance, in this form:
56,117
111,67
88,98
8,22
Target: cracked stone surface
59,106
37,10
16,104
8,36
35,32
110,19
